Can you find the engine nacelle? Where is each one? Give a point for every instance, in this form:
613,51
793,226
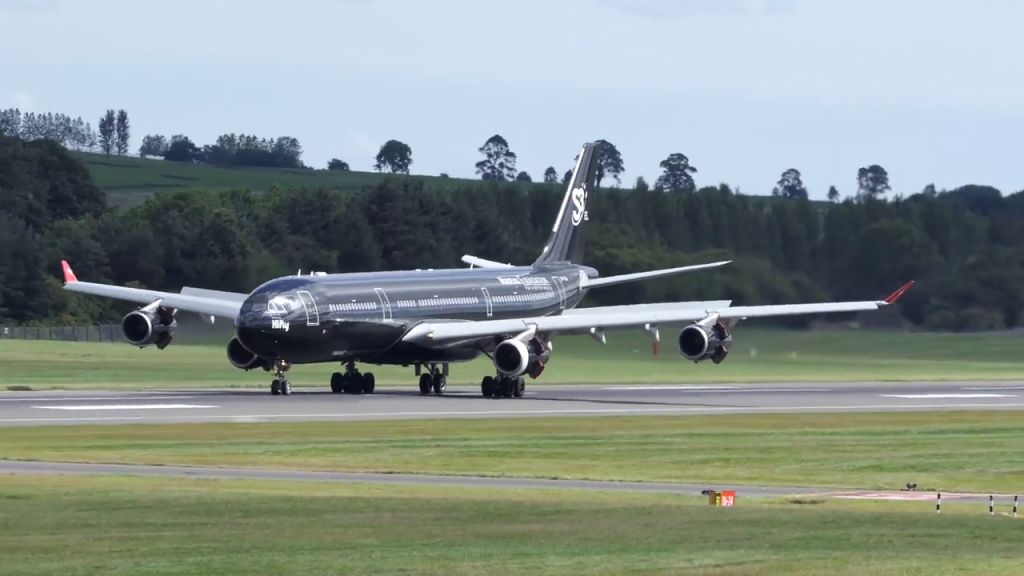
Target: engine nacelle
705,341
152,324
514,357
243,359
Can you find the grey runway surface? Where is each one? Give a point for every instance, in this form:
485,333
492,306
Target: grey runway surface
184,406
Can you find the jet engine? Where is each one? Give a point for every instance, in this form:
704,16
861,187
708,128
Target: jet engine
241,358
515,357
708,339
151,324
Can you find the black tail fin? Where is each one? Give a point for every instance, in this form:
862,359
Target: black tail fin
567,236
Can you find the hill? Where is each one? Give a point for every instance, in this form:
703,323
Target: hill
130,180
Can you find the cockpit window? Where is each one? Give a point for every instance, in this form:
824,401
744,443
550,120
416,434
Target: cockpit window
282,304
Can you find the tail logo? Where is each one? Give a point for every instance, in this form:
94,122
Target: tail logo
579,205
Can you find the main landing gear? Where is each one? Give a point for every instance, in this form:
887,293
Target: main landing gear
352,381
434,380
280,386
503,386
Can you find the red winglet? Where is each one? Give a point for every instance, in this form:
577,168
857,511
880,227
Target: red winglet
69,276
892,298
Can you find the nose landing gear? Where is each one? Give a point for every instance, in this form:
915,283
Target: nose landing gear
280,386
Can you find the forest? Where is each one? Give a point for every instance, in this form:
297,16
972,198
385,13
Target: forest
965,247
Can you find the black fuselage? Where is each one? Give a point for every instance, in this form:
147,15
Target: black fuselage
363,316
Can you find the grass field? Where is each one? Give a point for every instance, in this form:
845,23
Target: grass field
130,180
73,526
758,356
947,451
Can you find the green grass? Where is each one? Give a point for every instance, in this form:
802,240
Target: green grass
758,356
130,180
98,525
947,451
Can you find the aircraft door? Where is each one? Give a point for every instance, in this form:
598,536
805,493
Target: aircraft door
487,302
385,304
560,286
312,315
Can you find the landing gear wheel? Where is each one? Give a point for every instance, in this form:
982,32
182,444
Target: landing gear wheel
285,387
275,387
426,383
506,387
439,382
336,382
519,387
487,386
368,382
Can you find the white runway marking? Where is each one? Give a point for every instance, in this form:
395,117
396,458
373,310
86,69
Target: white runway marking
482,413
722,389
946,396
126,407
93,398
668,387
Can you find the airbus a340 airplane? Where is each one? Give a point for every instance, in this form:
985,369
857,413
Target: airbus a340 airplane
430,318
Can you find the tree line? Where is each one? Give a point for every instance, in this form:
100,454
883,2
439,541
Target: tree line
965,246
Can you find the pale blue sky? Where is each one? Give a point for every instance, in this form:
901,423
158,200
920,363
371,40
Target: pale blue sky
932,90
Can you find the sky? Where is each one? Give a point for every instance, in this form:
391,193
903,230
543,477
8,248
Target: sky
933,90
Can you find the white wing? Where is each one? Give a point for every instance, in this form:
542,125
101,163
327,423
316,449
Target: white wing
441,333
207,302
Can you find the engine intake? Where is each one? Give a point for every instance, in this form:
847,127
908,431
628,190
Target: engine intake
242,358
514,357
152,324
708,339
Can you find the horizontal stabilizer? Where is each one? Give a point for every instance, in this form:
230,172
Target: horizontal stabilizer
481,263
622,278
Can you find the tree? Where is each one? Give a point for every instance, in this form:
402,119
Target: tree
609,161
567,177
790,185
641,185
550,175
833,194
153,145
677,175
929,191
523,177
499,162
122,136
181,150
339,165
107,131
10,122
872,181
395,156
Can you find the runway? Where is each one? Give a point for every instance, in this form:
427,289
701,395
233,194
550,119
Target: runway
189,406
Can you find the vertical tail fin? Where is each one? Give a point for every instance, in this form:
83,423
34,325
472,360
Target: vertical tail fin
567,236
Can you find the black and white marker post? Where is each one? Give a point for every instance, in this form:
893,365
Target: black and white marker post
991,506
938,503
1014,506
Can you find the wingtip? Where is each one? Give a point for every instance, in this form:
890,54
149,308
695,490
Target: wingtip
69,275
892,298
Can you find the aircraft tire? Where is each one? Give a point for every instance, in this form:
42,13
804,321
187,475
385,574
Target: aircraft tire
425,383
506,387
336,380
275,387
439,383
519,387
369,383
286,387
487,386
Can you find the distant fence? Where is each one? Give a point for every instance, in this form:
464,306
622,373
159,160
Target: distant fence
100,333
